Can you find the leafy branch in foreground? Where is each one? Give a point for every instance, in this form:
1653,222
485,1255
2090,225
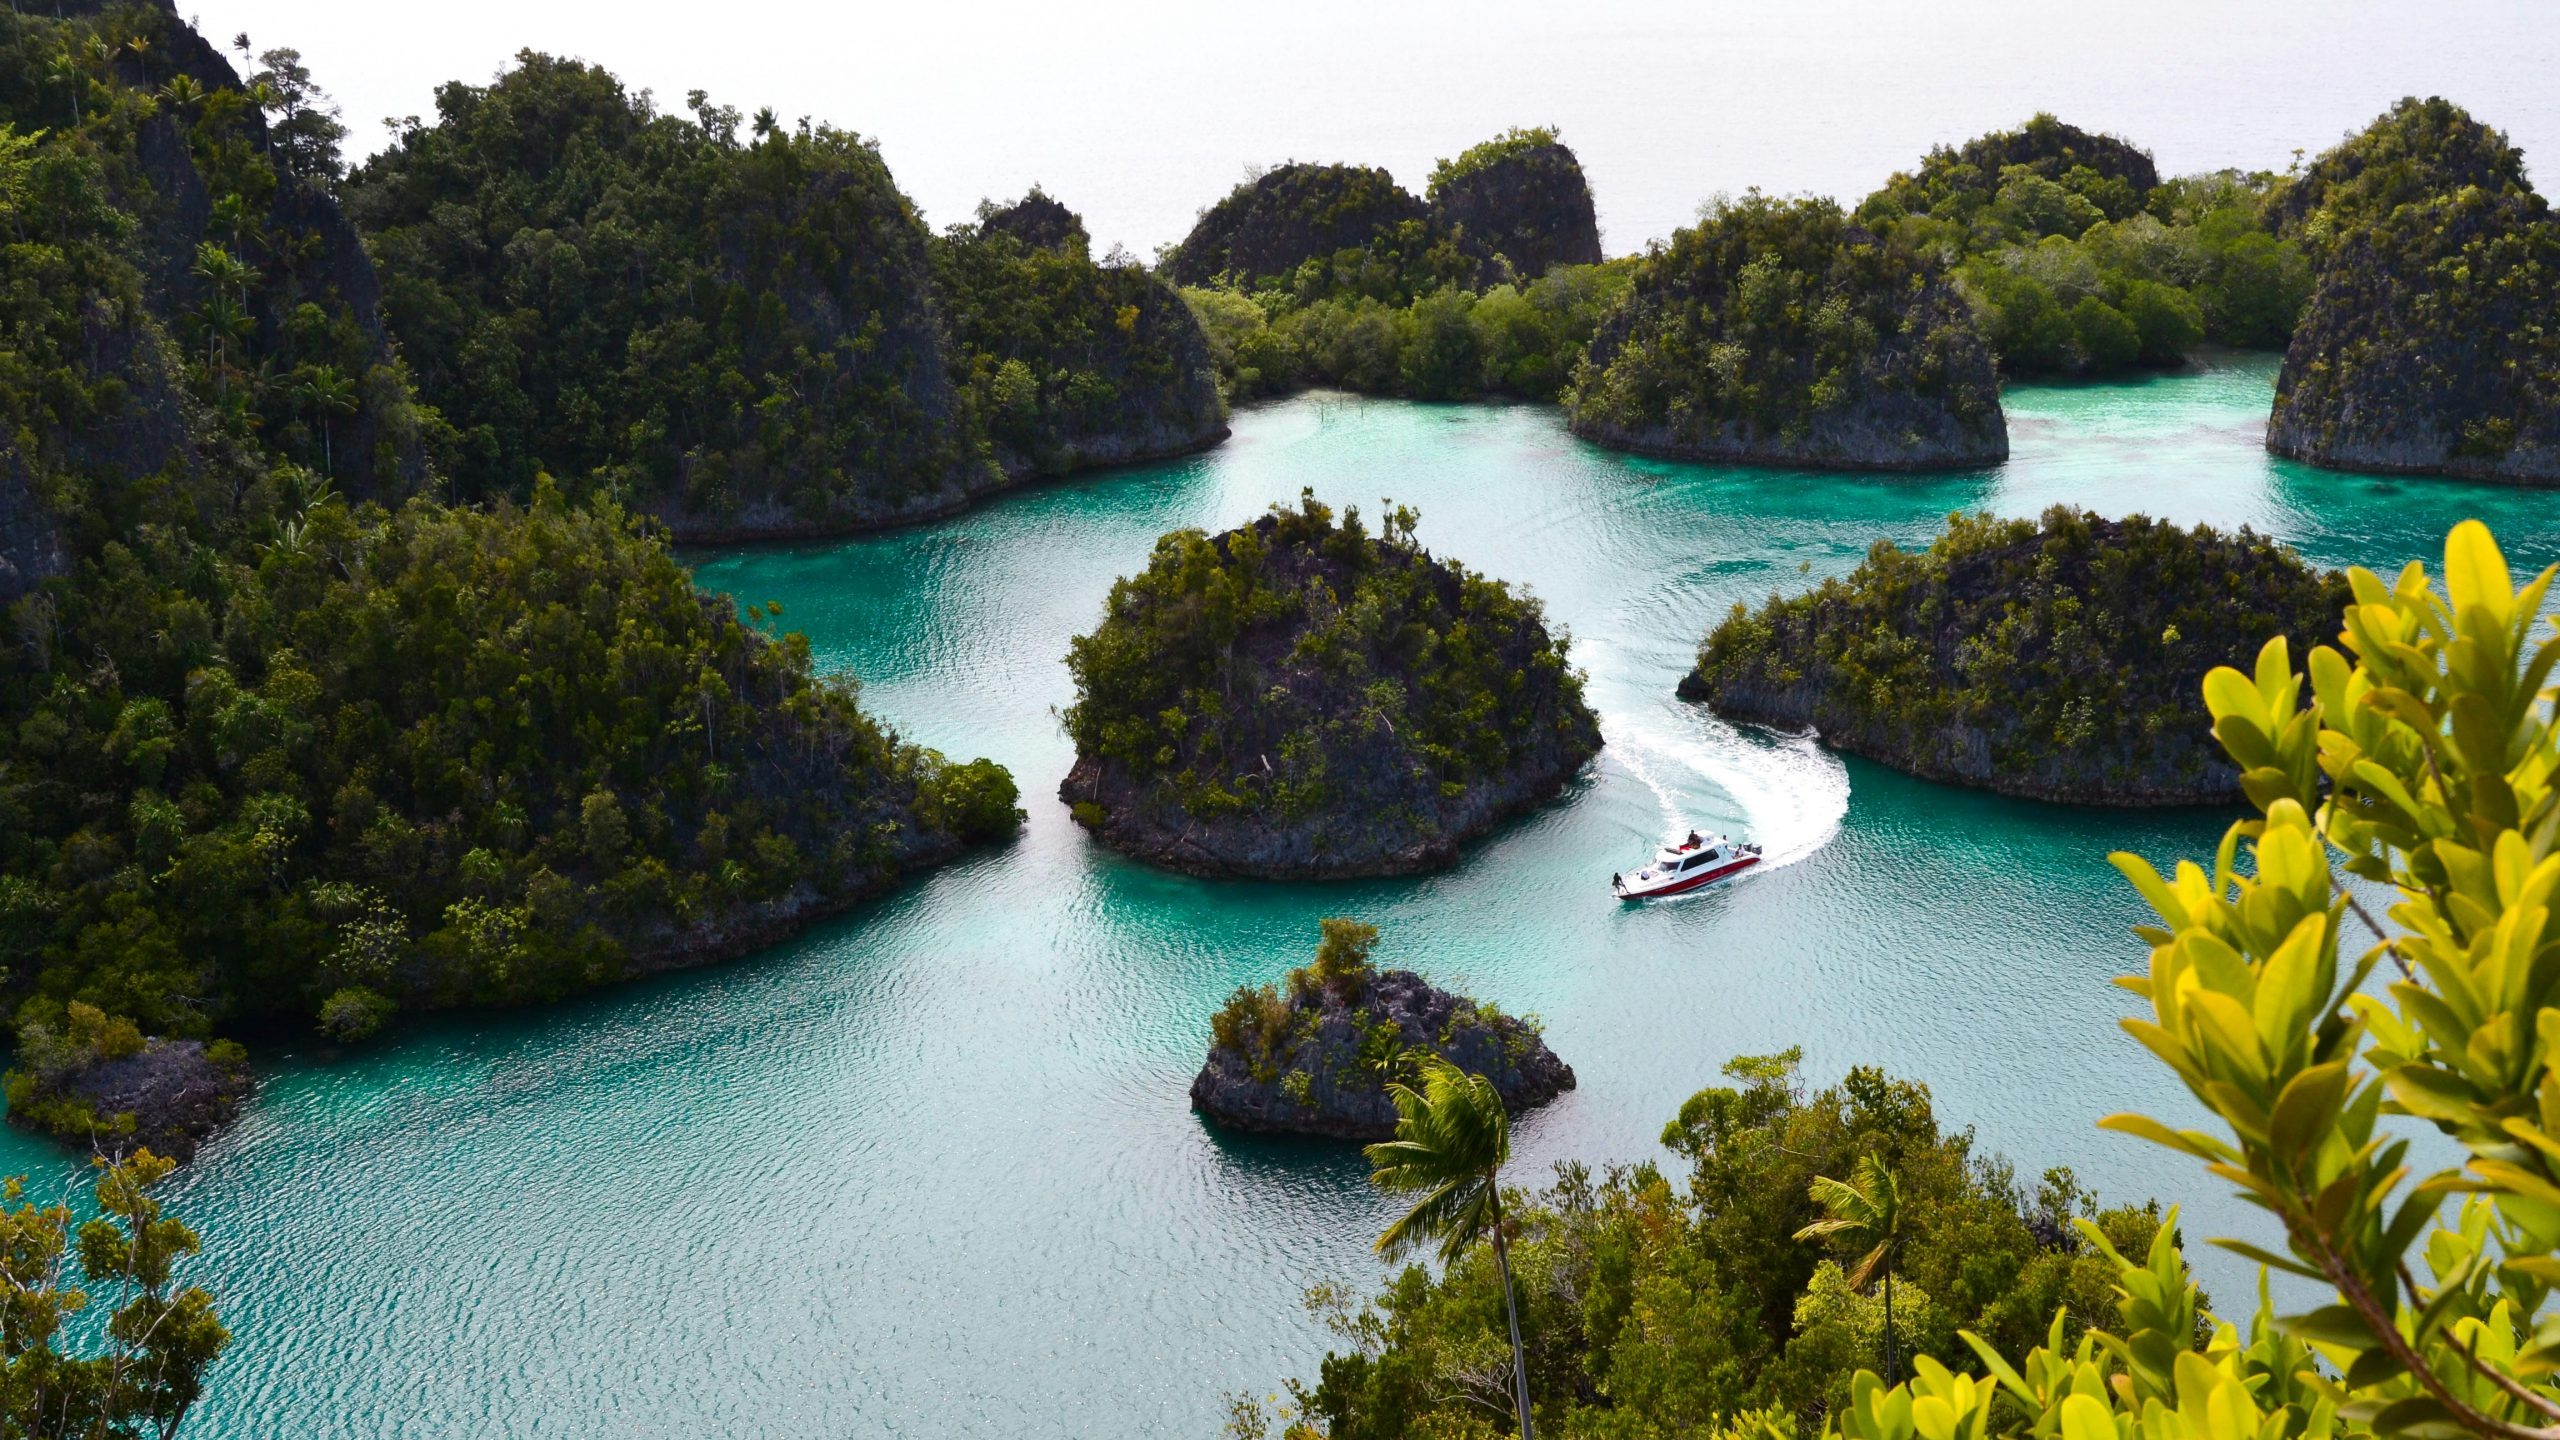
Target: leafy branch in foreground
2422,758
160,1338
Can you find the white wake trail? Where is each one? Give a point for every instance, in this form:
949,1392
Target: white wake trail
1782,791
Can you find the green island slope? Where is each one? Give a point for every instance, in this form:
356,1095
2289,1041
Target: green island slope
737,334
1297,698
1067,363
2053,659
2080,260
288,745
1352,218
2428,343
2410,154
1779,332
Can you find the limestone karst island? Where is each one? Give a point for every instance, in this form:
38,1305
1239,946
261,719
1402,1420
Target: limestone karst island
1642,722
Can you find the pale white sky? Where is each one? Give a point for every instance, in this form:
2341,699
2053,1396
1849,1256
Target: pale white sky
1140,112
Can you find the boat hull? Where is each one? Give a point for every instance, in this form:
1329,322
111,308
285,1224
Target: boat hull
1686,883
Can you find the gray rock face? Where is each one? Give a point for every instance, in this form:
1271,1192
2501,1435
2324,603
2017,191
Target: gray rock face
31,549
1885,430
1328,846
1277,221
1531,209
1344,1092
1961,754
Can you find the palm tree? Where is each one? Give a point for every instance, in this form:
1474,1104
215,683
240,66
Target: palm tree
1451,1141
1868,1214
325,392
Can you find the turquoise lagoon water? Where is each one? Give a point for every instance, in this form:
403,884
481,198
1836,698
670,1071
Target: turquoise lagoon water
930,1171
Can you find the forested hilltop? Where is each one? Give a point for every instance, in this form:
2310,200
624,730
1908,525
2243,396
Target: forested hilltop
746,334
2427,345
2079,259
2054,659
1777,332
1067,363
1335,275
288,743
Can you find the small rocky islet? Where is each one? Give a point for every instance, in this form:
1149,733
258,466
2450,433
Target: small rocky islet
1315,1054
97,1080
2054,659
1300,699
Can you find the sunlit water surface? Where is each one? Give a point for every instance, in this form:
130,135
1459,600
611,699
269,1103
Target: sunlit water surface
930,1170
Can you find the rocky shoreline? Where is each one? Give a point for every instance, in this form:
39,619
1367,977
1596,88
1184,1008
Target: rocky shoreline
1117,811
1958,755
168,1097
773,523
1861,442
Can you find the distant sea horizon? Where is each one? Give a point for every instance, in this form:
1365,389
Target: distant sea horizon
1140,114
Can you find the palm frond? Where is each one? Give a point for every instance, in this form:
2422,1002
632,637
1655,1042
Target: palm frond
1451,1141
1864,1273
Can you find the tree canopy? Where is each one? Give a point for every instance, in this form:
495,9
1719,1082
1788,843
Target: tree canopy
705,323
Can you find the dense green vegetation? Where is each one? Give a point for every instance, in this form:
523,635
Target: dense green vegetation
1300,671
2053,658
710,326
267,303
1518,143
1331,275
436,756
279,757
1453,344
1320,228
2411,154
2427,344
1063,362
1654,1305
1775,330
2082,261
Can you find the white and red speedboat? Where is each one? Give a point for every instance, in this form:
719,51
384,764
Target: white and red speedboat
1692,864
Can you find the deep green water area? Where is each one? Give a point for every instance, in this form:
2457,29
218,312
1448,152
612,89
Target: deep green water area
930,1170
